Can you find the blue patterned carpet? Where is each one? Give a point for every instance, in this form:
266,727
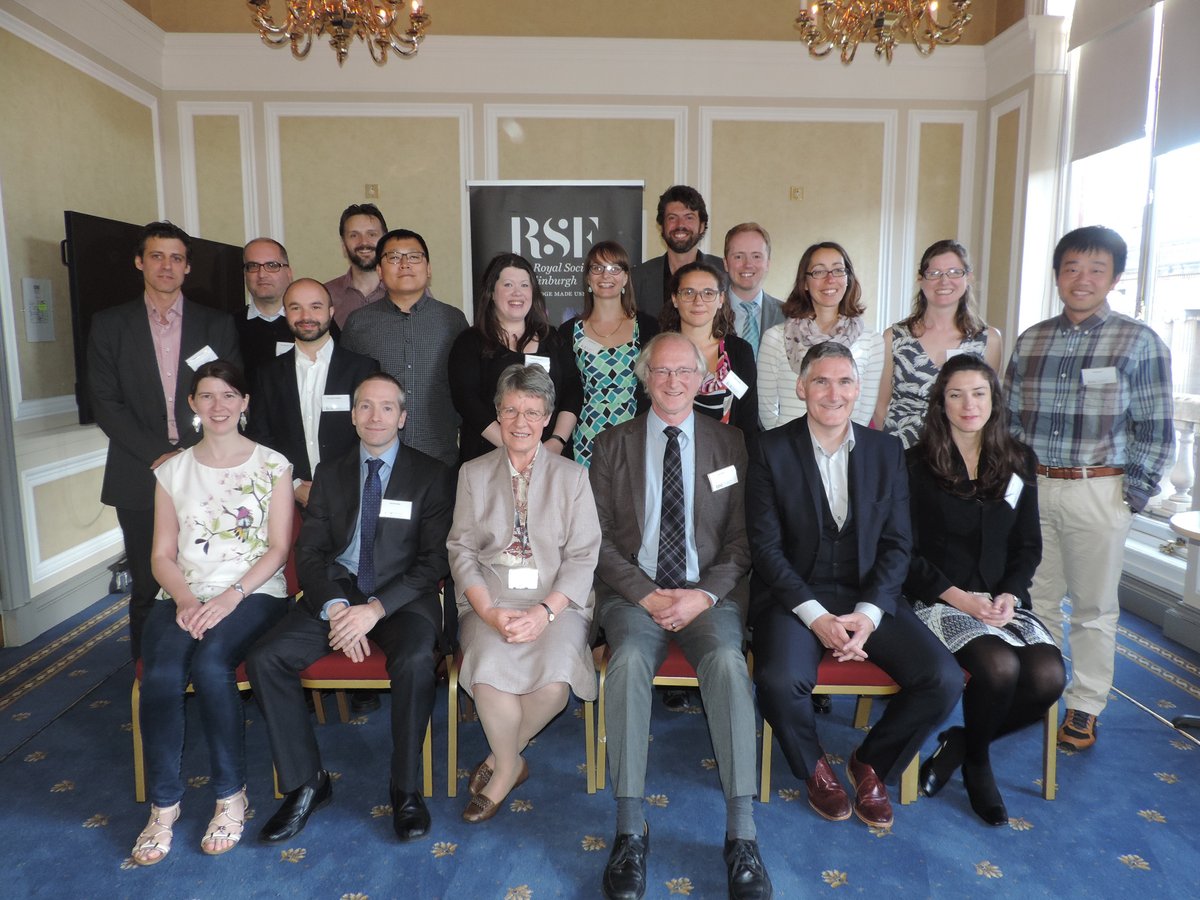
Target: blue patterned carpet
1123,824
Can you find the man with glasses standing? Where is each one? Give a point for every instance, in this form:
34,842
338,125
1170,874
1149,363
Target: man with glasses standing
673,560
263,332
410,335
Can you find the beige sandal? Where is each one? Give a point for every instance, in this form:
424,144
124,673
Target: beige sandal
226,824
156,836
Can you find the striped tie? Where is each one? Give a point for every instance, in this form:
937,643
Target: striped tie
672,551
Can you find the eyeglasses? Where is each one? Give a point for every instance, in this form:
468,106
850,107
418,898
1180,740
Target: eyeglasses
396,257
681,372
529,415
708,295
936,274
819,274
602,268
271,266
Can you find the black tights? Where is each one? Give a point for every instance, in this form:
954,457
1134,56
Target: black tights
1009,688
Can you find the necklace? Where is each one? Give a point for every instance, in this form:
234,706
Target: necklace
596,331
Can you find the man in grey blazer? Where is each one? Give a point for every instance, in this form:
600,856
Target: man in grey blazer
669,493
141,356
748,260
682,221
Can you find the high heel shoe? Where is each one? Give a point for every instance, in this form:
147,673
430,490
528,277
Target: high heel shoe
227,824
984,795
939,768
156,836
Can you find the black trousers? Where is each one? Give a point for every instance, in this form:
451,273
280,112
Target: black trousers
786,656
408,640
137,528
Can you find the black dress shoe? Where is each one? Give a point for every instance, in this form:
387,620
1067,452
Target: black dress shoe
289,820
679,699
822,703
410,816
625,874
984,795
363,702
748,878
940,768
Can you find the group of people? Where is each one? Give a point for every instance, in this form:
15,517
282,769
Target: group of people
688,460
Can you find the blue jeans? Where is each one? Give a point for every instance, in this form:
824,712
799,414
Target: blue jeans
170,658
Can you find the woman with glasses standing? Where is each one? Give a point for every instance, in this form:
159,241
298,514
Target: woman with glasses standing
700,312
825,305
605,342
944,323
511,326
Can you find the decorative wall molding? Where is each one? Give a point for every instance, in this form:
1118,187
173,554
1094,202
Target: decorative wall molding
40,568
1019,102
1035,45
244,112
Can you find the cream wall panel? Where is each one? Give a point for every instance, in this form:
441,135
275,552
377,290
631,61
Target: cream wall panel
575,149
220,202
756,163
321,160
939,180
68,512
68,142
1005,206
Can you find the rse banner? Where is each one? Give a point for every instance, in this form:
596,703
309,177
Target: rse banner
553,224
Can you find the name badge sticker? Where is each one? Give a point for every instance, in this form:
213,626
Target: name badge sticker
1100,375
1012,493
522,579
735,384
532,359
395,509
590,346
335,403
200,357
722,478
282,347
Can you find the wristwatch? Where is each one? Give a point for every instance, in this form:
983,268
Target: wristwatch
549,611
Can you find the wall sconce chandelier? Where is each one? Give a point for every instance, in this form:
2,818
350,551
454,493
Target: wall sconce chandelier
844,24
380,25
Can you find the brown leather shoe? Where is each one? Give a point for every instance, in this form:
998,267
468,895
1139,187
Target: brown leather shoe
871,803
826,795
480,809
480,777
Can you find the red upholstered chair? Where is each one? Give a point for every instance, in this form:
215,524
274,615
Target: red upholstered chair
139,759
453,717
675,671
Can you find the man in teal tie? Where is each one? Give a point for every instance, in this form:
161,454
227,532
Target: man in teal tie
748,261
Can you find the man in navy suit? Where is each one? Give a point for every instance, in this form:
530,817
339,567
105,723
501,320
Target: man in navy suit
369,557
300,400
141,356
828,521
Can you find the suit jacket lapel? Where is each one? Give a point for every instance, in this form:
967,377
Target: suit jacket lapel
351,497
142,355
636,460
812,475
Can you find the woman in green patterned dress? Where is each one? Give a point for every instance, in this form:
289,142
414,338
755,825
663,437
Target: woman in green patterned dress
606,341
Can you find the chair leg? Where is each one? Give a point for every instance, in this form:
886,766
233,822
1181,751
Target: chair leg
908,780
139,759
862,711
427,760
318,706
452,729
275,780
601,737
343,706
1050,752
768,737
589,744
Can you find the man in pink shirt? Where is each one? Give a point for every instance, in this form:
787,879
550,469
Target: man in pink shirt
360,229
141,356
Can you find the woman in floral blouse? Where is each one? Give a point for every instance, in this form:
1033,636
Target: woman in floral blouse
222,528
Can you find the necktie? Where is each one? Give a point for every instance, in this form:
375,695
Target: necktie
750,331
372,498
672,552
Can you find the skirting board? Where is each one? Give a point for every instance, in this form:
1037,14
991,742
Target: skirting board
43,612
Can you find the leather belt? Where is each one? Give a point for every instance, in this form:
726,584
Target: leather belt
1074,473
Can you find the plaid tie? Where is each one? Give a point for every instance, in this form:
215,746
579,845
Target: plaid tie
372,498
750,330
672,551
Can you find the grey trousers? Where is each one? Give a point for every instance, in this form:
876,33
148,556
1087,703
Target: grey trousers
712,643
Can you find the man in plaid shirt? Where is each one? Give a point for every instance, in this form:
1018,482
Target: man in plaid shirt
1090,391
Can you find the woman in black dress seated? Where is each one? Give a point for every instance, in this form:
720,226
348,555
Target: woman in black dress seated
511,326
976,543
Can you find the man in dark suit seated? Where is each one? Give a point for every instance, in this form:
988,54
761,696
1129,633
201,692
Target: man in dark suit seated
300,400
668,488
369,557
263,329
828,519
682,221
140,360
